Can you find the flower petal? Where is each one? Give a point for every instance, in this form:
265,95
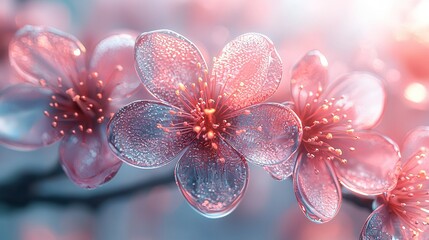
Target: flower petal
265,134
113,61
361,96
415,139
48,57
284,169
22,121
165,59
316,189
87,158
382,224
247,71
140,134
309,78
372,163
213,181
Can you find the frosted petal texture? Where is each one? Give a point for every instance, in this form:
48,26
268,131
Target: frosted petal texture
265,134
282,170
382,225
248,70
135,136
213,181
165,59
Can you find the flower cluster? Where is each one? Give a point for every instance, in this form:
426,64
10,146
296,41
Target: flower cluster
213,122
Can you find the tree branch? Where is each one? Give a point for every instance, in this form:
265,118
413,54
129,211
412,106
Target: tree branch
20,193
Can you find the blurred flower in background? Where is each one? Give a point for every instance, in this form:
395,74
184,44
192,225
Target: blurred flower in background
386,37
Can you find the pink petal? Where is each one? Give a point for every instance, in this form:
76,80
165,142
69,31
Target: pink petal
48,57
265,134
213,181
87,159
361,96
415,139
316,189
372,163
309,78
284,169
140,134
113,61
165,59
22,121
247,71
382,224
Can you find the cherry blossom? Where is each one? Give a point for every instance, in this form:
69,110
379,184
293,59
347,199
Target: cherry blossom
211,123
64,97
336,146
403,212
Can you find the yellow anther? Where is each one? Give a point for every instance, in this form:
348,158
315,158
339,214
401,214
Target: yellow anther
182,87
197,129
210,135
209,111
335,118
329,136
338,152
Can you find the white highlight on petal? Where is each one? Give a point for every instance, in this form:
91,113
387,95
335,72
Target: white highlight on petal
77,52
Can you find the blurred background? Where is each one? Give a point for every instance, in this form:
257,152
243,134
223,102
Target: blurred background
387,37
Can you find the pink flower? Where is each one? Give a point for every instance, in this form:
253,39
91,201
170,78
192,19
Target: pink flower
336,146
64,97
212,122
404,211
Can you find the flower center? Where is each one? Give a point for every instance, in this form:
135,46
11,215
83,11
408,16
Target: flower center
324,122
410,199
82,106
205,109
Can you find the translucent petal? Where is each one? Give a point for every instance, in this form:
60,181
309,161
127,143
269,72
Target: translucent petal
87,158
309,78
284,169
46,56
165,59
415,139
213,181
316,189
113,61
361,96
141,134
247,71
22,121
383,225
372,163
265,134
